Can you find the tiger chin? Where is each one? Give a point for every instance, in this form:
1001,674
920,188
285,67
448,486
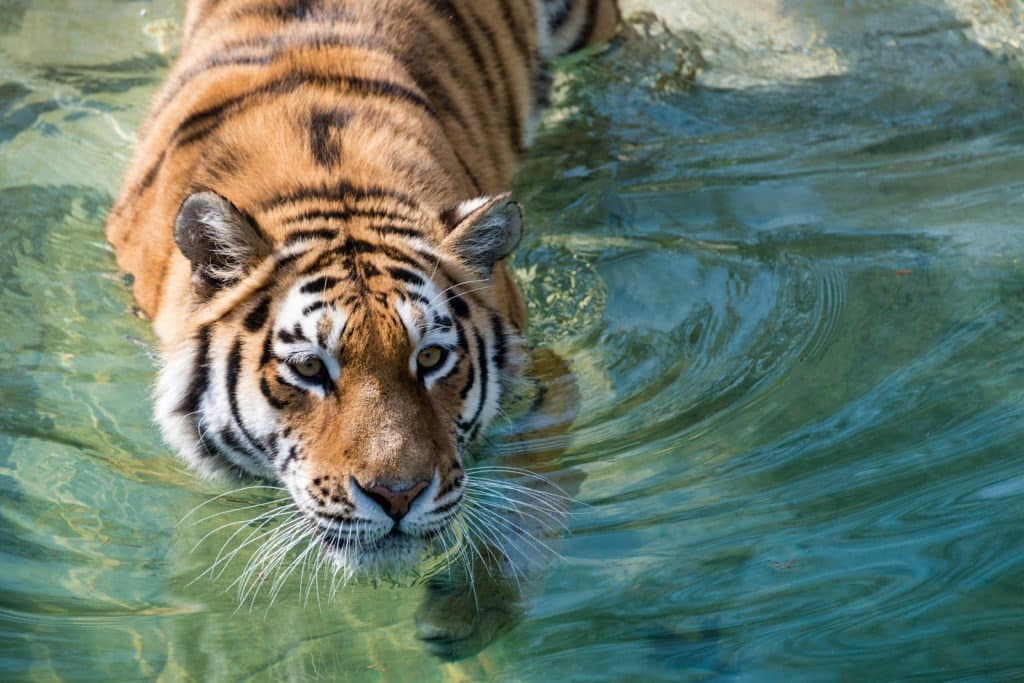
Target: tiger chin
315,221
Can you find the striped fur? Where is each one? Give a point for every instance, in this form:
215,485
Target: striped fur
318,182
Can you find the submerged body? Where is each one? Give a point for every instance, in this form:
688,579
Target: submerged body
313,219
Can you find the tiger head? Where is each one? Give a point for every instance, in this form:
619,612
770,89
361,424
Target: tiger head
351,362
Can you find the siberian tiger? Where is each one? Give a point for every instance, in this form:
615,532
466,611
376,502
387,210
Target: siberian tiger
315,220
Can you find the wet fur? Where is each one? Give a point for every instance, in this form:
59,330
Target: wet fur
350,142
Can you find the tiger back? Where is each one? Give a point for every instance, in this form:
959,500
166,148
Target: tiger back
314,219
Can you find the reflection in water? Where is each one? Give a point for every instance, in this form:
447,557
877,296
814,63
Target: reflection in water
779,244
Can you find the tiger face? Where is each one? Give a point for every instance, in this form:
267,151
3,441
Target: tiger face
350,366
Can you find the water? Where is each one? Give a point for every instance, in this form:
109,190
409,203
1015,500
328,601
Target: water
780,243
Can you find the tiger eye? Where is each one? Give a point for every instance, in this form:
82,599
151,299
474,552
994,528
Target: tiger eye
430,357
309,367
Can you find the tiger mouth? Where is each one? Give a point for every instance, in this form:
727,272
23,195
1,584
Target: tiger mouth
396,550
342,540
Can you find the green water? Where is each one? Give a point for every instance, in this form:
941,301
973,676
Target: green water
793,294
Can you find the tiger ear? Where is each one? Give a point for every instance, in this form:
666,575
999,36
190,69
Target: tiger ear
483,231
221,242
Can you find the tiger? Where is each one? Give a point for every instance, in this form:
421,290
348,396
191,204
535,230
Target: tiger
316,221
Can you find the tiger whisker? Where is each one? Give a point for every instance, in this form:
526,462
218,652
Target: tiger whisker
234,510
262,517
226,493
477,486
518,530
503,533
451,287
467,563
548,520
543,513
223,560
520,472
527,494
262,554
266,559
282,577
472,522
270,566
470,291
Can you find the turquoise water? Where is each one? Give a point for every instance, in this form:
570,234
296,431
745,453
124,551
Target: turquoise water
780,243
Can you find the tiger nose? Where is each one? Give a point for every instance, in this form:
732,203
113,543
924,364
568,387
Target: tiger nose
394,497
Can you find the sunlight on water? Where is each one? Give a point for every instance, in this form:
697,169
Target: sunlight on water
780,243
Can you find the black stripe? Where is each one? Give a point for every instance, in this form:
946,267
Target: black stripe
336,192
300,235
271,399
396,230
355,247
319,285
447,506
588,27
323,136
207,120
481,347
419,298
500,344
468,386
407,276
198,134
315,306
289,338
463,344
517,33
210,449
296,79
450,13
271,447
293,455
264,50
473,180
459,306
257,317
200,381
343,214
234,371
558,19
283,261
268,348
419,69
150,177
542,81
513,108
232,442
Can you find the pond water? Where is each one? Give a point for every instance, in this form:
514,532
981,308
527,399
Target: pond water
780,243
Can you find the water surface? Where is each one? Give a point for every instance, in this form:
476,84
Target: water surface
780,243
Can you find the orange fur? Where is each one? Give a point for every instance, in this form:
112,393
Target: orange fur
320,117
